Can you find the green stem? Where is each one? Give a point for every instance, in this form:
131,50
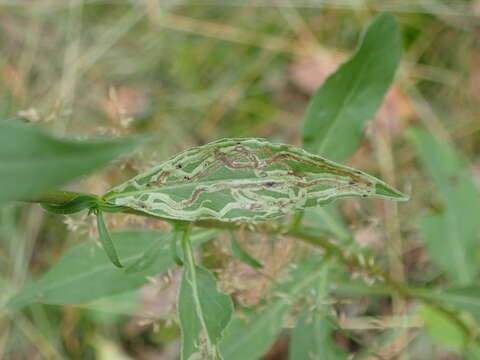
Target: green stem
351,262
173,248
297,219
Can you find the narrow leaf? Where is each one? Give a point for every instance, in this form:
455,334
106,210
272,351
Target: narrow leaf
32,162
353,94
106,241
204,311
451,236
243,180
241,254
84,273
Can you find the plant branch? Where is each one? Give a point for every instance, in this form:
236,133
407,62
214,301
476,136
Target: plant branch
352,262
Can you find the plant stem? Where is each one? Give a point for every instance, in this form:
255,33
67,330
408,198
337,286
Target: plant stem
350,261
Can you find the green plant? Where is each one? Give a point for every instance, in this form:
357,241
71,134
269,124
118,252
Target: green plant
217,186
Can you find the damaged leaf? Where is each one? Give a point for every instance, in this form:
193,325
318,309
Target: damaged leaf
245,179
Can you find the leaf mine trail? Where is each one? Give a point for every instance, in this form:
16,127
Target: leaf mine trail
245,179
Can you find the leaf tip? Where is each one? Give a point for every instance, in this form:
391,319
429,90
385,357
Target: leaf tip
386,191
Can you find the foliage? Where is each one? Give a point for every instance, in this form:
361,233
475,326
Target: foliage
352,95
28,154
236,188
450,234
243,180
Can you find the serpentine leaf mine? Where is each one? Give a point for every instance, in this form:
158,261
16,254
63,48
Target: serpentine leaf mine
244,179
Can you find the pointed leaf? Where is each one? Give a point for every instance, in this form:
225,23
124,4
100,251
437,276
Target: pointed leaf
106,241
241,254
353,94
243,180
32,162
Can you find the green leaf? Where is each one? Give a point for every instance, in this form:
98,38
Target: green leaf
243,180
466,298
451,237
448,251
106,241
84,273
241,254
250,335
328,219
32,162
216,310
77,204
335,116
312,339
149,256
173,248
204,311
446,333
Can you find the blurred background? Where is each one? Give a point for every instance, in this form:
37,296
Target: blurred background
196,71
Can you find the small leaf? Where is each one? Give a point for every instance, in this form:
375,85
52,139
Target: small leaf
106,241
204,311
84,273
32,162
312,339
451,236
336,114
243,180
241,254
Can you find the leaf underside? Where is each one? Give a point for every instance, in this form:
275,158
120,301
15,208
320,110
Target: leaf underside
244,179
